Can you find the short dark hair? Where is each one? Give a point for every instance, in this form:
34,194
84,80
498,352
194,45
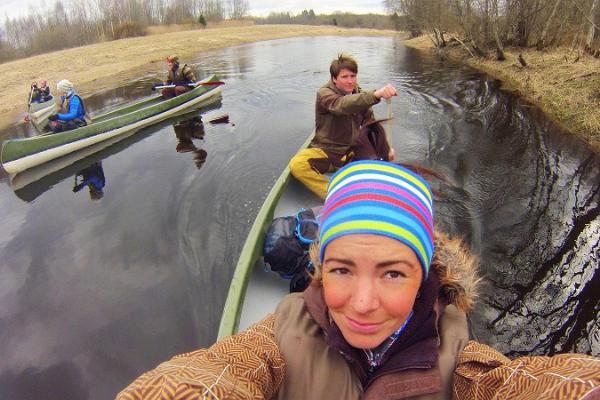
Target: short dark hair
343,61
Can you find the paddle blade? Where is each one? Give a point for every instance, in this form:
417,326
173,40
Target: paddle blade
212,83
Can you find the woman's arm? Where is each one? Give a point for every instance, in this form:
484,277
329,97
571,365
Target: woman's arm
247,365
483,373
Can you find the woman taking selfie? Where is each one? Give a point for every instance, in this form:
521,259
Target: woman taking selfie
384,317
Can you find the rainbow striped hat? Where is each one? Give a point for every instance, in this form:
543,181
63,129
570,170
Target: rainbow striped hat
381,198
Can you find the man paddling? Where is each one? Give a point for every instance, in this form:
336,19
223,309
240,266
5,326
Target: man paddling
181,77
341,110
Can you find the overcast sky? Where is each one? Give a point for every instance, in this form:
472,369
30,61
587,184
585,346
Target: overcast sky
257,7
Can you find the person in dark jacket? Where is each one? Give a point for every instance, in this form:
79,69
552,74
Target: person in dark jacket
182,77
342,109
40,91
72,109
384,317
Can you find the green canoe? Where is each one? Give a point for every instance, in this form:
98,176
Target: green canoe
31,183
24,153
253,293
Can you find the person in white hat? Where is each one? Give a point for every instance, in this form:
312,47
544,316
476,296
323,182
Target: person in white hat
72,113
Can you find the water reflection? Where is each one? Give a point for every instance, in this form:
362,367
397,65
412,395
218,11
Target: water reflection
186,131
93,178
28,185
102,291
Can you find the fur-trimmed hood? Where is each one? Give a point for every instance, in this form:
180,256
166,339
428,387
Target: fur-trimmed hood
456,267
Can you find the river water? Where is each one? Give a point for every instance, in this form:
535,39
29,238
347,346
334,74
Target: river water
95,289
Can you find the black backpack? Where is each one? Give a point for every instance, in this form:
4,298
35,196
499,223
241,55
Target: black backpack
287,242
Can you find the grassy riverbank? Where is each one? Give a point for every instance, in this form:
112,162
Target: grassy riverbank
565,84
104,65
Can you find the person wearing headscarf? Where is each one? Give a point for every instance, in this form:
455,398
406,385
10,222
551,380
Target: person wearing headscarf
384,317
182,77
72,113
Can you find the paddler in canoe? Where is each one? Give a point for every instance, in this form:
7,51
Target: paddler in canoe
384,317
72,113
181,79
342,109
40,92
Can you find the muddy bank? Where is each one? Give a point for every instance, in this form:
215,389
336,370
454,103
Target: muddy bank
563,83
106,65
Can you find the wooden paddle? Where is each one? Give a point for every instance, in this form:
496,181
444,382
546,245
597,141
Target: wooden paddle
194,84
389,122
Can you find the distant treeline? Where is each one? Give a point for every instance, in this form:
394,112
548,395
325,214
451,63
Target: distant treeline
72,23
485,25
346,20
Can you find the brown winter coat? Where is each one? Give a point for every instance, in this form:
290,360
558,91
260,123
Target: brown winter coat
339,117
269,360
181,76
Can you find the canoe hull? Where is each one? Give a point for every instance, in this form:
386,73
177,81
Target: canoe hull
15,159
254,293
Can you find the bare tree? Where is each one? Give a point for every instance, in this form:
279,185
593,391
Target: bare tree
594,20
542,40
238,9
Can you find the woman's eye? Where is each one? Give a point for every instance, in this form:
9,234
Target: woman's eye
339,271
394,274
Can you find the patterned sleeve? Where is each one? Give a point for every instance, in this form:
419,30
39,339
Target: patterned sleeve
247,365
483,373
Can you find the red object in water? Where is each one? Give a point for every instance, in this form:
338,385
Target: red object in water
223,119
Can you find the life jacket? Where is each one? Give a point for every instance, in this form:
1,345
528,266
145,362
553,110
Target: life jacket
286,246
84,118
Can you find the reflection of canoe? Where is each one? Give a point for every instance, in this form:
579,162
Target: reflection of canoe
21,154
31,183
253,293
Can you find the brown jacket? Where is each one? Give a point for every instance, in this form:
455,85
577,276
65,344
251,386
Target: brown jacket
181,76
285,356
339,117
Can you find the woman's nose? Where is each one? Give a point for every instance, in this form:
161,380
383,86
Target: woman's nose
364,297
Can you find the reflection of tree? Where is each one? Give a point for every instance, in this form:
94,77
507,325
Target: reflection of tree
186,131
546,297
93,178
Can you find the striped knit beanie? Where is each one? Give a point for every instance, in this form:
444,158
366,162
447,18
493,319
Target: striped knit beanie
380,198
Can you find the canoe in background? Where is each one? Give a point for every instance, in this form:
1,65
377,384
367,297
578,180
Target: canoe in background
21,154
254,293
31,183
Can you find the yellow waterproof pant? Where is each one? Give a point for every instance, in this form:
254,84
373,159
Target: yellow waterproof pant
302,170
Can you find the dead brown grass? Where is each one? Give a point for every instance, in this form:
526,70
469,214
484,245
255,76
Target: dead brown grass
565,84
108,64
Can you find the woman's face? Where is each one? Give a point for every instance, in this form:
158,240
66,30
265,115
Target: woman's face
370,284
